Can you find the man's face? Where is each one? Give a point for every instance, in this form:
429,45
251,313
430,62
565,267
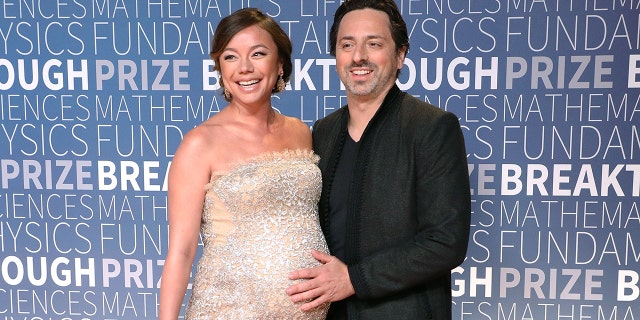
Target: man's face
366,58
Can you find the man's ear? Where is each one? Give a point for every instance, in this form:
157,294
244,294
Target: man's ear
401,54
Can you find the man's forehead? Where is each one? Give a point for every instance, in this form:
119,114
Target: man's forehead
371,24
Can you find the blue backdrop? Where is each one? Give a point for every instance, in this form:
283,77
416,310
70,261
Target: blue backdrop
95,96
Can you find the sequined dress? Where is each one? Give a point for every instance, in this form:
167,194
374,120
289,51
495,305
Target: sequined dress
259,223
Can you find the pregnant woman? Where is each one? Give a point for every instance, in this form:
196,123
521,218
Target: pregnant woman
247,182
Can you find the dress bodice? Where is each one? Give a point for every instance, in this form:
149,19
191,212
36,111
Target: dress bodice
259,223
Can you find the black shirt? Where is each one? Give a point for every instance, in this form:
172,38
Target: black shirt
339,198
338,203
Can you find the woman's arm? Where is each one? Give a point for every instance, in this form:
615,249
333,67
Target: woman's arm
188,175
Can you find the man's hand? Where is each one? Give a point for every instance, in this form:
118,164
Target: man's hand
326,283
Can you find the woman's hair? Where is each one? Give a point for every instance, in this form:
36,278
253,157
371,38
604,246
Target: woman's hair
397,25
244,18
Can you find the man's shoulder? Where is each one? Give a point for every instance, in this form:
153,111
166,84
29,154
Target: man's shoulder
329,120
421,110
414,103
425,117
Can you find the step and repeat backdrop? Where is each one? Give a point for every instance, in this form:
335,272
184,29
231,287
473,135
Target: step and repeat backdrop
95,96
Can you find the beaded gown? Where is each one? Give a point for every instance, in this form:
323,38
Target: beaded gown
259,222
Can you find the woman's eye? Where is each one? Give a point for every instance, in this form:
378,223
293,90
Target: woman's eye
228,57
259,54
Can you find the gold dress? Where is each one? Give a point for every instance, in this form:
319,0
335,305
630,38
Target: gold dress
259,222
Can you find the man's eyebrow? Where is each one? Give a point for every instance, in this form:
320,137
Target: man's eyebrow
369,37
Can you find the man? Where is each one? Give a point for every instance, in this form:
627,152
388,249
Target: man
395,204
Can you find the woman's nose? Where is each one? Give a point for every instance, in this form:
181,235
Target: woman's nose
246,65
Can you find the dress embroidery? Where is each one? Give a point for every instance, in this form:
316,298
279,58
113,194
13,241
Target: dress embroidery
259,222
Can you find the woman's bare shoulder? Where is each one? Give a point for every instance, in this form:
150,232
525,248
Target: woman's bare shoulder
203,136
297,132
201,146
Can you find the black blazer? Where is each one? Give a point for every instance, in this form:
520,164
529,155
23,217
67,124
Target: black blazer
409,224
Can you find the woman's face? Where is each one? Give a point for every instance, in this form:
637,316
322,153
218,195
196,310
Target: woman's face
249,66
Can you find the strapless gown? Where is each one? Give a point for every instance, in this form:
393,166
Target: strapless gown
259,222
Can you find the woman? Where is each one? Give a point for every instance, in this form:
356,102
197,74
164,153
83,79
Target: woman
247,181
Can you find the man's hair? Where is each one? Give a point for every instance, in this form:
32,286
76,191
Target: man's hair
397,25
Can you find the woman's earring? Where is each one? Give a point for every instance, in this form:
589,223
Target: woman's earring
227,95
280,85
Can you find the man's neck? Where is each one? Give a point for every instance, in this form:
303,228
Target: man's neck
361,111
